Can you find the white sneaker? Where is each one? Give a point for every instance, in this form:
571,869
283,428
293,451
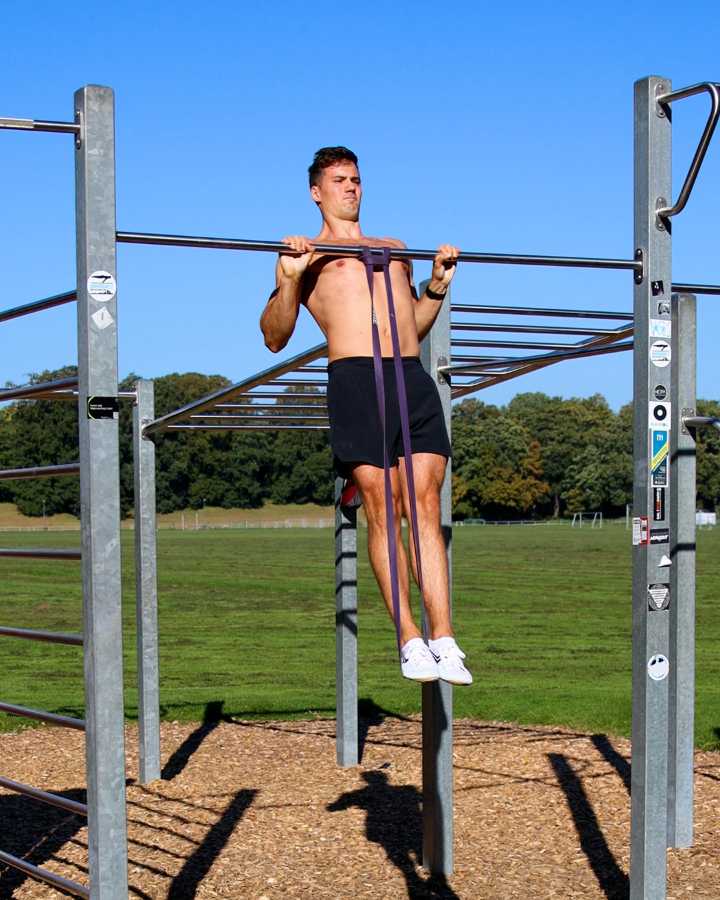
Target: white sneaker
450,661
417,662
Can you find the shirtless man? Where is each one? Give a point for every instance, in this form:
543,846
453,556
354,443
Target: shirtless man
335,291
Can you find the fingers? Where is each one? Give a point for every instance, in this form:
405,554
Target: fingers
298,243
447,254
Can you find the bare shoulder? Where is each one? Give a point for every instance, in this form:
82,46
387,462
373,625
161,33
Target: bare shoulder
393,242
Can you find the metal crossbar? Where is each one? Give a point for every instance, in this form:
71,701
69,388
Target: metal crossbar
514,259
13,124
50,637
41,715
38,305
27,790
40,874
40,472
40,553
30,391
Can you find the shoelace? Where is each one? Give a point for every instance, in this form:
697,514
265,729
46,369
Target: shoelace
454,654
418,653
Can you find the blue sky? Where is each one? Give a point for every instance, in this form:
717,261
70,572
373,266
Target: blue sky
497,128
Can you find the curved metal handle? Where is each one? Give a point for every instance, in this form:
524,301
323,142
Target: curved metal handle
665,99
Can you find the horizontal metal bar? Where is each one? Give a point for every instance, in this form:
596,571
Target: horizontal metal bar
701,422
223,417
515,371
214,243
39,874
49,637
296,395
30,390
277,407
550,312
267,427
40,472
663,100
40,553
72,395
546,357
296,382
27,790
14,124
526,329
310,369
516,345
696,288
236,390
42,716
38,306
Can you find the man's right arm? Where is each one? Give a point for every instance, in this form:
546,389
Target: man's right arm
281,311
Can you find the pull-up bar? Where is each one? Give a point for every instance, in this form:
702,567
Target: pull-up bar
514,259
38,125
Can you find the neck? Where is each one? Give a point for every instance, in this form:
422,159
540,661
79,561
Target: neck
339,230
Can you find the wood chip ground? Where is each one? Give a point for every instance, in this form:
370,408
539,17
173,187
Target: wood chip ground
260,811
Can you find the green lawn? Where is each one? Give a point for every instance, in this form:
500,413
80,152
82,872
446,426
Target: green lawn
247,620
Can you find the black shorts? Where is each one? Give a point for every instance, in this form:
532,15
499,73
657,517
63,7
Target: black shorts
355,429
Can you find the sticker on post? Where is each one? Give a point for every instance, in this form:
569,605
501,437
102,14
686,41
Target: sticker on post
658,667
660,328
659,449
659,413
660,354
660,536
659,504
639,530
660,392
102,318
101,286
103,407
658,596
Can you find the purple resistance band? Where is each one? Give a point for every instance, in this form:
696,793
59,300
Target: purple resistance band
378,258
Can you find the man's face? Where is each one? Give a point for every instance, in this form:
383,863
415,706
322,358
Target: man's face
339,191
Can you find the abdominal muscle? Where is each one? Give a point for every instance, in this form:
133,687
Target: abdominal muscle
339,301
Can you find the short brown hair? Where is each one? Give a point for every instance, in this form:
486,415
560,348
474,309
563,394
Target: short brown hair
329,156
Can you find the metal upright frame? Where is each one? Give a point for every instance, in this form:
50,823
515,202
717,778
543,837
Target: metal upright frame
663,574
96,391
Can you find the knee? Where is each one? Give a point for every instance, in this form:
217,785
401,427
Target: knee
428,504
375,511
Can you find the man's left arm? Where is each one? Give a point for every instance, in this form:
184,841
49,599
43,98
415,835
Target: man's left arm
428,305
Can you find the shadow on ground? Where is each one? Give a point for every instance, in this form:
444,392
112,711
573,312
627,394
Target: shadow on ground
610,877
394,821
36,833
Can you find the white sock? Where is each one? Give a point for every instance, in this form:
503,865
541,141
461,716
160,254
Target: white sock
404,650
441,644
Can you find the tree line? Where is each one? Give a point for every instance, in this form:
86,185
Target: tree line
537,456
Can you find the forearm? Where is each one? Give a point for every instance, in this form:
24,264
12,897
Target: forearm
280,315
427,309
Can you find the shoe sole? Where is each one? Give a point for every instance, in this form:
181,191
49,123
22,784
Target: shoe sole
430,678
456,683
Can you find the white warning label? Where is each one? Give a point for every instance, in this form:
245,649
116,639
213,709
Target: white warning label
101,286
658,667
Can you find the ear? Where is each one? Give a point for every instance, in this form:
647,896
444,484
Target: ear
315,193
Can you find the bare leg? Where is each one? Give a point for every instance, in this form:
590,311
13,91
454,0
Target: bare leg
429,471
371,484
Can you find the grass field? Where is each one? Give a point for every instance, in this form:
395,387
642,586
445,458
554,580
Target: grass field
247,622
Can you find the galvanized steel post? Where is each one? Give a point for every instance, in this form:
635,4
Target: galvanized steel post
651,497
146,585
100,491
682,576
346,675
437,697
